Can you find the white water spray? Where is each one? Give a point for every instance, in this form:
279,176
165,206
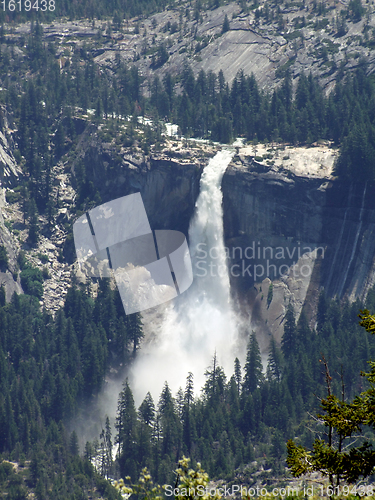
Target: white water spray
200,321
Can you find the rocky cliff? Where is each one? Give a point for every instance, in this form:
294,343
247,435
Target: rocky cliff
265,39
303,231
269,209
286,220
9,174
9,170
168,181
282,209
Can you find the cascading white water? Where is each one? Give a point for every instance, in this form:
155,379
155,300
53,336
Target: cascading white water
200,321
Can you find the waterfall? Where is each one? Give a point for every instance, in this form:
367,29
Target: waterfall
201,320
355,240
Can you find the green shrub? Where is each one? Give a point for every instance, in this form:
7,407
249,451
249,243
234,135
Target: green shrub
6,471
43,257
270,294
3,258
32,281
45,272
21,259
12,197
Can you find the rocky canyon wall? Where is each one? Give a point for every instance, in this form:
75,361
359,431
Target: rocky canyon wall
274,215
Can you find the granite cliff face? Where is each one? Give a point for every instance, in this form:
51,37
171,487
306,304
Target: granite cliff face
9,170
299,214
286,220
302,232
349,233
9,174
168,182
278,212
265,41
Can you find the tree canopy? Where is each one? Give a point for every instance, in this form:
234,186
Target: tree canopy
331,455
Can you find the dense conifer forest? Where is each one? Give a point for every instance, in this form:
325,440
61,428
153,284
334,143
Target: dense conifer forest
250,415
45,103
51,366
49,369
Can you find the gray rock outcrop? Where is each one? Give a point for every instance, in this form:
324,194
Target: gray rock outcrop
9,170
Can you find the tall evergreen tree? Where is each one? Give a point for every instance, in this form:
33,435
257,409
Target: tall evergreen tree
275,362
127,433
106,448
169,422
289,340
238,374
215,383
226,25
147,410
253,367
134,328
73,444
187,418
33,223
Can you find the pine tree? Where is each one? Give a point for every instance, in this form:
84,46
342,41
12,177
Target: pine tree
186,416
3,258
253,366
73,444
147,410
189,389
226,25
289,340
356,8
238,374
215,383
169,422
333,456
33,223
127,432
304,332
107,448
275,362
134,330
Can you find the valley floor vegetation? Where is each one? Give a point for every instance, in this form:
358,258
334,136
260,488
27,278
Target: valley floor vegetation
250,415
50,368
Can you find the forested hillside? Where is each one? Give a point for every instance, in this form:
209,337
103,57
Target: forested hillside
250,415
49,369
45,103
51,366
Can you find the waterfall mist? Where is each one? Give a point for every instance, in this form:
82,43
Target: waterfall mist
201,320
